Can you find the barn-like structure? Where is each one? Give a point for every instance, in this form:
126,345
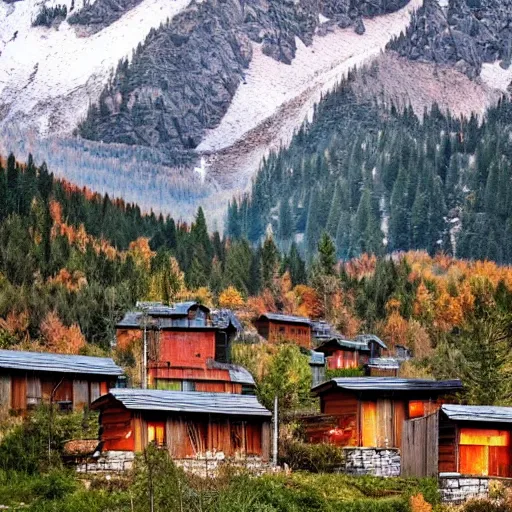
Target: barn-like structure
370,411
188,348
71,382
276,327
189,424
459,439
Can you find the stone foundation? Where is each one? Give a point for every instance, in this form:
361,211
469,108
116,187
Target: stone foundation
456,489
210,467
372,461
107,462
120,461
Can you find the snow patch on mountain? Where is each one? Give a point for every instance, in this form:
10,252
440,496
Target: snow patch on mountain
275,99
49,76
495,76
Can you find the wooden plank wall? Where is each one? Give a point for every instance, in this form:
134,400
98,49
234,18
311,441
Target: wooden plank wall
447,446
188,437
117,432
80,394
420,449
5,395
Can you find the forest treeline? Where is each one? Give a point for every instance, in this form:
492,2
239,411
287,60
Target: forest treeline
381,180
72,262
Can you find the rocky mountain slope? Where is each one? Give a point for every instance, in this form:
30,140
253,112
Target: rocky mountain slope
129,90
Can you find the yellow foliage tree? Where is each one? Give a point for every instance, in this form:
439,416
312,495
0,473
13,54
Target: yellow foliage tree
58,338
231,298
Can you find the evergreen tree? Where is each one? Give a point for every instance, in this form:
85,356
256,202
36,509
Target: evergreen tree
270,262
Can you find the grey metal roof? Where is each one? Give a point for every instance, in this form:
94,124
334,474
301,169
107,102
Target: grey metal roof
237,373
487,413
390,384
58,363
367,338
340,342
223,317
179,401
134,318
317,358
278,317
130,319
387,363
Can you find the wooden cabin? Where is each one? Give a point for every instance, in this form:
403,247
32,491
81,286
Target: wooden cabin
189,425
382,367
71,382
154,316
469,440
188,350
370,411
342,354
275,328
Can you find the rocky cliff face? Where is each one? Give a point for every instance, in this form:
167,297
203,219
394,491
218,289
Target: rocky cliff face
463,33
181,81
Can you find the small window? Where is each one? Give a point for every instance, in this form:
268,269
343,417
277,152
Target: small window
156,433
416,409
281,330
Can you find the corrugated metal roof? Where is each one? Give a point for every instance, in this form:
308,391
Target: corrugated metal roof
340,342
277,317
134,318
487,413
367,338
390,384
179,401
237,373
223,317
387,363
59,363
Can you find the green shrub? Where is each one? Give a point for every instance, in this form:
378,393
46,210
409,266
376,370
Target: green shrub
485,505
25,447
343,372
317,458
55,485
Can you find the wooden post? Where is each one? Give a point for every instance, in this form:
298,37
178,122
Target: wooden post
276,431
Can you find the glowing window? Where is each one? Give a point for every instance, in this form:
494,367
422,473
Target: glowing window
474,436
416,409
156,433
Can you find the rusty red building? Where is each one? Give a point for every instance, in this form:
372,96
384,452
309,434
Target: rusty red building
188,348
370,411
276,327
474,441
72,382
341,353
189,425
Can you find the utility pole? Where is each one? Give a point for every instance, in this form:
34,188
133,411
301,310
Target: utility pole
276,431
145,352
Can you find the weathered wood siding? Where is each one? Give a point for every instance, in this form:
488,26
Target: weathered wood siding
420,449
21,391
447,445
194,436
117,429
343,359
275,332
188,349
5,395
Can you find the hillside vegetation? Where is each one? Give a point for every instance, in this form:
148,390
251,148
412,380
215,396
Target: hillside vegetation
380,180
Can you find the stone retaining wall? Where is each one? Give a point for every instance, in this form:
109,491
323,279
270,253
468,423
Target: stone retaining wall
209,467
456,489
120,461
107,462
372,461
